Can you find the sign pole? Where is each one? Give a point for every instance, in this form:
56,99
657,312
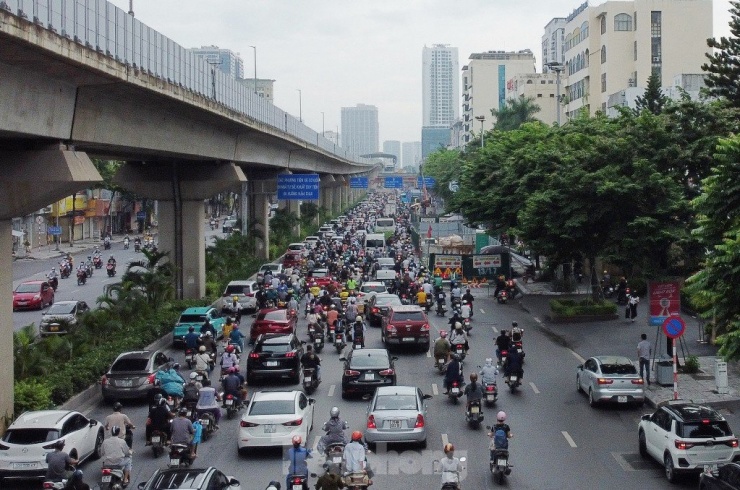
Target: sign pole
675,370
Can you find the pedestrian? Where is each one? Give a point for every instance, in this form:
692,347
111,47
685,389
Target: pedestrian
644,350
632,303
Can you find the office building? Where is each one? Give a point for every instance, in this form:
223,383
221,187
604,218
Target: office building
687,83
360,132
394,148
484,81
553,43
225,60
411,153
619,44
332,136
541,88
264,86
434,138
440,86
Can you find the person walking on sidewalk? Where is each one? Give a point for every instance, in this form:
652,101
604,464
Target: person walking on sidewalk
632,301
644,350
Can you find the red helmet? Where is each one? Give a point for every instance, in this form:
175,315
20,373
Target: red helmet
230,348
297,440
357,435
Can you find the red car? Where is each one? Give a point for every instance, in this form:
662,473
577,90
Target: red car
273,320
293,260
33,295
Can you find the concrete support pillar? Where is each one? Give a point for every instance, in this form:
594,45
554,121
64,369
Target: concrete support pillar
259,212
295,208
6,323
193,244
327,193
336,200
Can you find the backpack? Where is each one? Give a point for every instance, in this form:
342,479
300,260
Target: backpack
500,441
190,392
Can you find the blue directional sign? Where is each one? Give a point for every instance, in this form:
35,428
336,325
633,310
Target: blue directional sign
393,183
358,183
54,230
298,187
428,181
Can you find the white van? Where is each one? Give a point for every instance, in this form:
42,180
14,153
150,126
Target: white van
374,244
383,225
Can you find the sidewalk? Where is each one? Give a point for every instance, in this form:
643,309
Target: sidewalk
80,247
619,337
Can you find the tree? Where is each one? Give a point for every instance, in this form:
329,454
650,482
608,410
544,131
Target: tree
107,170
444,165
515,112
724,64
151,279
653,99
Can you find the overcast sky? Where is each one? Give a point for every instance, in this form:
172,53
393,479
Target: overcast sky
344,52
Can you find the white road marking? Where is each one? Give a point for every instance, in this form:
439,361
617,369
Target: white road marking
331,390
435,389
445,441
495,330
534,388
429,353
537,320
481,310
570,440
577,356
622,462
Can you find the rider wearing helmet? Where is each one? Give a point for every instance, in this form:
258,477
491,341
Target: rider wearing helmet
233,384
76,483
474,391
488,373
458,336
516,332
117,418
442,347
450,466
203,359
500,440
334,429
116,454
57,462
208,341
229,359
158,419
355,458
297,456
358,330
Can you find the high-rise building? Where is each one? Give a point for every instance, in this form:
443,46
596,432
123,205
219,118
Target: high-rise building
553,43
434,138
264,86
332,136
440,86
394,148
619,44
411,153
360,132
225,60
484,85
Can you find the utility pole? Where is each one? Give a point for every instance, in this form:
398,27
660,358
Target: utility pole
300,105
255,68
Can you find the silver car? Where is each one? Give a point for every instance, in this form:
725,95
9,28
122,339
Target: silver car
397,414
61,317
610,379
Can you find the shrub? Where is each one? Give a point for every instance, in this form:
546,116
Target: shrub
691,365
569,307
31,394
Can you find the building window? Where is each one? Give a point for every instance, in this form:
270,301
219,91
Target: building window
586,59
655,24
634,16
603,54
603,24
603,83
635,50
539,95
584,30
622,22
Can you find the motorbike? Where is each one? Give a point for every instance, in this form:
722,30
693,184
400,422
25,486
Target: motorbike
111,478
339,342
97,262
125,243
519,348
474,414
428,305
455,391
137,246
89,269
65,271
357,342
503,296
622,296
190,407
513,381
334,458
81,277
499,464
504,355
511,288
441,308
111,269
106,245
441,364
157,442
54,283
356,481
231,405
307,310
318,341
405,300
200,376
459,349
208,421
490,393
456,305
310,381
298,482
466,325
190,358
180,455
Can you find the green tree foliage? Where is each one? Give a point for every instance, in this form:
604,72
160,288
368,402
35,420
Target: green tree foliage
515,112
653,99
230,259
445,166
723,69
151,279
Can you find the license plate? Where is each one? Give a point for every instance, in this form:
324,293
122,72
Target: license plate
513,379
188,358
204,422
188,413
369,376
519,350
24,466
297,486
22,303
199,377
54,328
474,410
621,399
229,402
307,379
441,360
337,459
490,397
456,390
174,462
394,424
155,439
105,479
270,429
502,462
460,350
271,363
338,341
408,339
125,382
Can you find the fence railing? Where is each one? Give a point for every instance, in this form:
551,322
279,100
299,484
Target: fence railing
105,28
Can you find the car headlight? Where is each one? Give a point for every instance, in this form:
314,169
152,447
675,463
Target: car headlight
37,296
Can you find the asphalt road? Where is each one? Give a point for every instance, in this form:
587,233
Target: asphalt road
559,441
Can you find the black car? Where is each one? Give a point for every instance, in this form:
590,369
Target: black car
275,356
378,307
727,477
365,370
190,479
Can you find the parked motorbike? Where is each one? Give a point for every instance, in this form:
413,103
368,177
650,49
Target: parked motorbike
310,380
180,456
111,270
455,391
474,414
111,478
81,277
158,439
503,296
490,393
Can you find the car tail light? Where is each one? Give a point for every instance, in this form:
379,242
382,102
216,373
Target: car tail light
48,484
604,381
638,381
705,421
249,295
425,327
419,422
391,328
386,372
683,445
293,423
254,355
106,471
376,310
244,423
151,378
371,422
351,372
104,380
290,354
731,443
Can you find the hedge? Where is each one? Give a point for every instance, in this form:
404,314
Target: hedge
588,307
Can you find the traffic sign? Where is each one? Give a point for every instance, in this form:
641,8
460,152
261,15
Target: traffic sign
39,220
140,215
393,183
358,183
674,327
298,187
428,182
458,271
437,271
54,230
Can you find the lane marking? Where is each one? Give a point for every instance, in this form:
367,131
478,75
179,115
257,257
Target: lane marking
622,462
331,390
495,330
577,356
570,440
445,441
534,388
538,320
435,389
429,353
481,310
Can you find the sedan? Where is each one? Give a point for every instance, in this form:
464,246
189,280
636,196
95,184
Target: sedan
610,379
272,320
61,317
367,369
190,479
32,295
274,417
132,375
275,356
378,307
397,414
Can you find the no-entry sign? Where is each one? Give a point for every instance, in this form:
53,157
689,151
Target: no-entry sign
674,327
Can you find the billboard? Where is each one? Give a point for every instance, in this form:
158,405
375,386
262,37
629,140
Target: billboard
665,301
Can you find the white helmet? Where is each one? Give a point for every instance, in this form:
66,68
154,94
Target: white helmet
501,416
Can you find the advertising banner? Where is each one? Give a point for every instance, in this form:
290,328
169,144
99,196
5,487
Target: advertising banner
665,301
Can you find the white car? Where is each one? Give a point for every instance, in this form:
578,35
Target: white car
311,241
24,446
686,437
272,418
365,292
298,247
244,291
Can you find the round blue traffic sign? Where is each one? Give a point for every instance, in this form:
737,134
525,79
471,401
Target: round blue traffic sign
674,327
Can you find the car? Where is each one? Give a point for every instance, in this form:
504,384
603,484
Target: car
132,375
367,369
61,316
275,356
190,479
363,295
228,226
30,437
195,317
322,278
311,241
397,414
293,260
274,269
272,418
244,291
386,263
726,477
272,320
298,247
686,437
406,325
30,295
610,379
378,306
326,232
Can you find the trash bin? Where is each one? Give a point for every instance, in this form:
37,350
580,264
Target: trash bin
664,373
720,377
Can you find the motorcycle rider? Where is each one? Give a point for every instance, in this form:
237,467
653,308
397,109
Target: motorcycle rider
208,401
112,261
203,360
450,466
516,332
207,327
454,373
456,318
313,321
513,365
116,454
57,463
52,274
297,456
310,360
191,389
488,373
455,293
503,343
500,434
358,330
474,391
117,418
421,298
466,311
158,420
355,456
191,339
233,384
334,429
228,326
468,298
329,481
236,338
126,241
181,429
500,285
459,337
229,359
442,347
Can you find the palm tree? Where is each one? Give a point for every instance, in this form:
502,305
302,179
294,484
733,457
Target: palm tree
515,112
153,278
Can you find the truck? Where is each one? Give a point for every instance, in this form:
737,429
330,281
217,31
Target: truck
390,209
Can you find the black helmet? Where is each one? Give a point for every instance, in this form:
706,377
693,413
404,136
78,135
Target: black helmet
59,444
115,431
117,407
183,411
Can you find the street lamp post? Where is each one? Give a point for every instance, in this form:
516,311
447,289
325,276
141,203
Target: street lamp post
300,105
557,68
481,119
255,68
322,125
131,7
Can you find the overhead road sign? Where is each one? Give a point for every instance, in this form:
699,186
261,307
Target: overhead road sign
393,183
428,182
358,183
298,187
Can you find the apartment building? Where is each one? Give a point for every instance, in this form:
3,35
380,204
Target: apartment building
541,88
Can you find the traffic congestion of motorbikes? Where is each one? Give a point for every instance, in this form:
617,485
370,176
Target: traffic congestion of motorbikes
186,408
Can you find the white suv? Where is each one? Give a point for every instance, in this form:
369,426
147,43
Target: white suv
24,446
686,437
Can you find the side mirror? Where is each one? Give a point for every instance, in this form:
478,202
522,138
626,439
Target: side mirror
234,482
93,422
311,401
646,417
580,366
343,359
141,485
303,342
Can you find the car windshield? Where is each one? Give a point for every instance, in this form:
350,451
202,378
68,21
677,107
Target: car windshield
388,300
30,436
380,288
128,365
273,348
297,248
192,318
396,402
319,273
233,289
408,316
369,361
61,309
607,369
275,315
374,243
270,267
272,407
28,288
706,428
171,480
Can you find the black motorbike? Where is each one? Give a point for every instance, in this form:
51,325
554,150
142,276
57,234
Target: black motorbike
111,269
54,283
81,277
474,414
179,456
310,380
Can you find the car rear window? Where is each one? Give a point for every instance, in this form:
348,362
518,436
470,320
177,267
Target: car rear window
61,309
374,243
171,480
276,315
273,348
408,316
236,290
319,273
707,428
28,288
296,248
192,318
396,402
126,365
618,369
369,361
30,436
385,222
388,300
272,407
373,289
